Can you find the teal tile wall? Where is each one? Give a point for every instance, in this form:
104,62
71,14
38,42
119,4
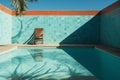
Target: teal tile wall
56,28
110,28
5,28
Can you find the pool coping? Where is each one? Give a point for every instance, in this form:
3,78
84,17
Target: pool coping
6,48
111,50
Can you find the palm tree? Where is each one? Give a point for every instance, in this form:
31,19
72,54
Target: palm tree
20,5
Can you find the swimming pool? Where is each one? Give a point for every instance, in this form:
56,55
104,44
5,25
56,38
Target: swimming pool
103,64
42,64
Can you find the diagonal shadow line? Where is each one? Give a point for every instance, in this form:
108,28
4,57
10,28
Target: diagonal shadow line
89,33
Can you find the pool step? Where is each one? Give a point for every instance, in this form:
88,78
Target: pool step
83,78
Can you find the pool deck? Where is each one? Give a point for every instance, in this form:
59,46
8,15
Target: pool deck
5,48
114,51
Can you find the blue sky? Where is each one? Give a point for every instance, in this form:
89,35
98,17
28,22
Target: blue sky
65,4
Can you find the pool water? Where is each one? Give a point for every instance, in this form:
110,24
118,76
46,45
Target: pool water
40,64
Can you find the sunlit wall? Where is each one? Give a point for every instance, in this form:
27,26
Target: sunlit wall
5,28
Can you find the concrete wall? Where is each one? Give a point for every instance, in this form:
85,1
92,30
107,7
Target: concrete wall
110,25
5,28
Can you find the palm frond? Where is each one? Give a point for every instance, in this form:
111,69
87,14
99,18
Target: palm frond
20,5
31,0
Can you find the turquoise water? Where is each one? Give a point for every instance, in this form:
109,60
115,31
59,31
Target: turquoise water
104,65
40,64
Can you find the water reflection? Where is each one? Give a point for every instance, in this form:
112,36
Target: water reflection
40,64
37,54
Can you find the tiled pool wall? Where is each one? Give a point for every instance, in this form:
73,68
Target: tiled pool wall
5,28
110,25
57,29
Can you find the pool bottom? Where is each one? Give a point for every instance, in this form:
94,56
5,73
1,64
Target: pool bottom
41,64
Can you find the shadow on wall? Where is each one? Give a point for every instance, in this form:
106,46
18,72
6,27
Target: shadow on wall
89,33
110,25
